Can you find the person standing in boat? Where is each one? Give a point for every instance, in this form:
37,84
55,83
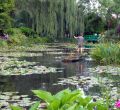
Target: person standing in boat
80,40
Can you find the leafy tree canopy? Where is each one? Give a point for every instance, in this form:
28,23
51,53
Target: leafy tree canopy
6,7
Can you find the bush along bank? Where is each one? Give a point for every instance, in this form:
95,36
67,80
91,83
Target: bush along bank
107,53
22,36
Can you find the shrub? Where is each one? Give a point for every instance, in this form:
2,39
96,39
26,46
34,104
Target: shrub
38,39
16,36
27,31
108,53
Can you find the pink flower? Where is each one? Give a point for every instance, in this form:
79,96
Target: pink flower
117,104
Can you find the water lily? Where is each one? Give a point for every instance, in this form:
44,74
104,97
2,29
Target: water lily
117,104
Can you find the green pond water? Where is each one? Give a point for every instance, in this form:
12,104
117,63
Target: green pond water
16,88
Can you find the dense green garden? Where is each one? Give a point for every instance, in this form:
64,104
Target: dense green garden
35,37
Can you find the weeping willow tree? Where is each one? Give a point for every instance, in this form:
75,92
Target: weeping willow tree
80,17
52,18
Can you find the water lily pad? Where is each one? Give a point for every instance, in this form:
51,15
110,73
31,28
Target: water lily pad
5,97
16,67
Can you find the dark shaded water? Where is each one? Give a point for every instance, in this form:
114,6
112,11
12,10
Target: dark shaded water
24,84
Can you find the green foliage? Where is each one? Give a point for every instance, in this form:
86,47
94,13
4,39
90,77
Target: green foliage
16,37
35,106
16,108
46,96
6,7
3,43
107,53
94,23
37,39
5,20
110,7
67,100
50,18
110,35
27,31
64,100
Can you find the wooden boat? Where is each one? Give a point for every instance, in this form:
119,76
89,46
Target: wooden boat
73,59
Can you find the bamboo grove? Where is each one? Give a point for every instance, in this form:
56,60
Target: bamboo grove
51,18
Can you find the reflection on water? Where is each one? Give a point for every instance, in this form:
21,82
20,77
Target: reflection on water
24,84
79,69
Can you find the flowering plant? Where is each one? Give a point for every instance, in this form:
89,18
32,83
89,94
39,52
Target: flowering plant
117,104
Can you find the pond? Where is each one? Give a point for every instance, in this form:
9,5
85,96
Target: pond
17,88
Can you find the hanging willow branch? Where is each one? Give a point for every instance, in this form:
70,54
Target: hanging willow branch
53,18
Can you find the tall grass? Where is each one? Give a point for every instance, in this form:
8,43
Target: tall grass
107,53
